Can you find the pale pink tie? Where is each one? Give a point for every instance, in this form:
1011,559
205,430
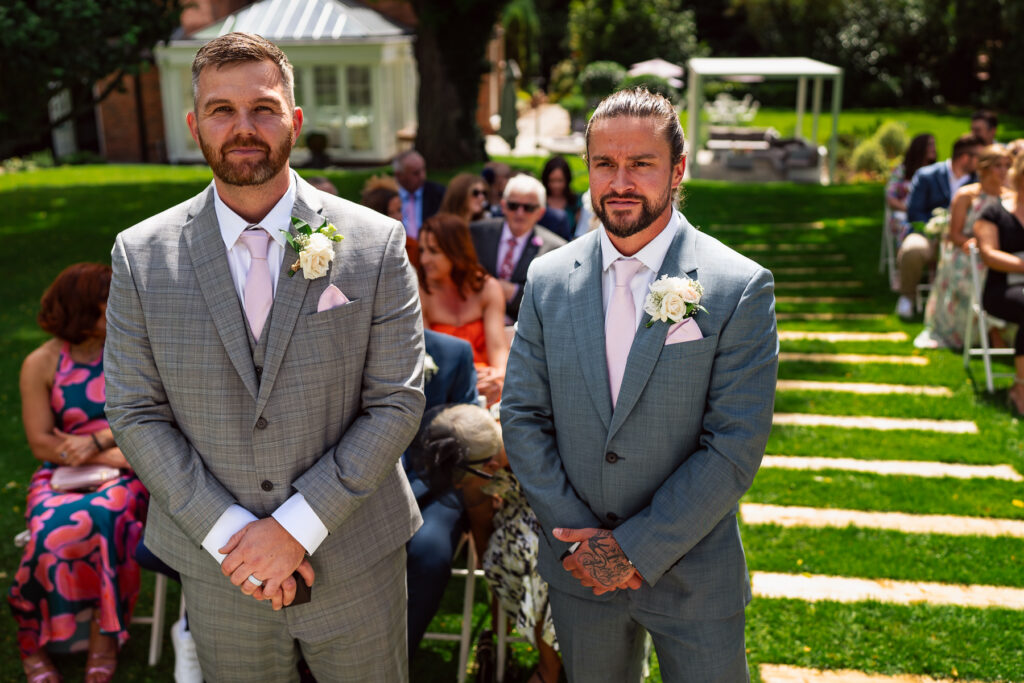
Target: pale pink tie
505,271
409,215
620,322
258,293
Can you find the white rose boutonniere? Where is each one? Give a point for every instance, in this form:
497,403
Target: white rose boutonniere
429,367
313,247
938,223
672,299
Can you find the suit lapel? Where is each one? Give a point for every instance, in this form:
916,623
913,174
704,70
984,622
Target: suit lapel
490,256
680,259
290,293
587,308
210,262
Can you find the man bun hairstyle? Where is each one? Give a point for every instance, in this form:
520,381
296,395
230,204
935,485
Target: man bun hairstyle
237,48
640,103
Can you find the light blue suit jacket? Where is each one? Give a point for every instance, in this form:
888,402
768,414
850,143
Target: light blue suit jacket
666,468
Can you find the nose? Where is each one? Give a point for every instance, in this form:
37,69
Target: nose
622,180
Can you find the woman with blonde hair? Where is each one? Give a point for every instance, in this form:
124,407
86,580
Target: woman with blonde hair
466,197
949,302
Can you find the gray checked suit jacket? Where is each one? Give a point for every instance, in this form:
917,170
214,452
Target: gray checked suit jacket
337,400
666,468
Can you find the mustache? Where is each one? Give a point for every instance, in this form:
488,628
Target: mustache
244,142
627,195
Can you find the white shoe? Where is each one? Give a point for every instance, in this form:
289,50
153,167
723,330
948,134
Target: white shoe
905,308
186,661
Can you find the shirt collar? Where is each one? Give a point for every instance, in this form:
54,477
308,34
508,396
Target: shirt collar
653,253
405,194
277,219
506,234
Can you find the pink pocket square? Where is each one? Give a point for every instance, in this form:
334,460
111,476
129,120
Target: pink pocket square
683,331
331,298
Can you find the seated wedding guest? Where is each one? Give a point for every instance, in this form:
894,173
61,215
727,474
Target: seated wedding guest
586,221
983,126
380,193
920,152
323,184
507,246
1000,235
448,377
421,198
78,579
557,180
459,298
1015,147
466,197
949,301
461,444
496,174
932,187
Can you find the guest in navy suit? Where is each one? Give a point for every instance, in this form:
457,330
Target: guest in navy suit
421,198
449,378
932,188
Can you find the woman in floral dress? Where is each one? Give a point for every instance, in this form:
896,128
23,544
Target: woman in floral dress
78,580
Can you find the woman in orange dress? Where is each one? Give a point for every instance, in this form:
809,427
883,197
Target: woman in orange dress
459,298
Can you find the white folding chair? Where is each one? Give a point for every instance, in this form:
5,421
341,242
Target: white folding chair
978,320
887,253
470,574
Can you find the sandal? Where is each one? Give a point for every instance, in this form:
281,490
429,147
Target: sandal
101,664
40,671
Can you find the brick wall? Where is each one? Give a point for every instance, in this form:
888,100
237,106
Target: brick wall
118,118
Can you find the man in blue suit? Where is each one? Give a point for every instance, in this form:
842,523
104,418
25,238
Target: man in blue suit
635,428
932,187
449,377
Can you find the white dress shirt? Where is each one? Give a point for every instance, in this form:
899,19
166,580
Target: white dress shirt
295,514
652,256
955,183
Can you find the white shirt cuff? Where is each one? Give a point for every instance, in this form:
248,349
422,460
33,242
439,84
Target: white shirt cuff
233,520
298,519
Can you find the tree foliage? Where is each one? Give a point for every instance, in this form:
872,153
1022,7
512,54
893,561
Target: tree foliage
451,57
627,31
53,45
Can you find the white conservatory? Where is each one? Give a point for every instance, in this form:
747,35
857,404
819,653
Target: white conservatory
355,76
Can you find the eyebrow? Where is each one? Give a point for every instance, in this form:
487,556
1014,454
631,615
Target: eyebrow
632,157
224,100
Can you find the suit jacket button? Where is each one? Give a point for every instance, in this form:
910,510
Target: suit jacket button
259,371
611,458
261,423
267,485
612,517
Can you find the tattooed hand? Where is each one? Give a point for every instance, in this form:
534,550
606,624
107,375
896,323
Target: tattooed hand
598,562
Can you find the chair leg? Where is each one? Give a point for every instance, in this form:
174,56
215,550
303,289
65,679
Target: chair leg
467,608
502,629
156,635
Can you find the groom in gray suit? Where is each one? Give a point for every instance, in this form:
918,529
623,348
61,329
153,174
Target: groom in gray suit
636,411
263,387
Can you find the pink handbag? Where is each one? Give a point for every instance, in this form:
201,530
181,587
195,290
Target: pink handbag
82,477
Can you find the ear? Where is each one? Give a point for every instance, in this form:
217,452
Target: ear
297,121
193,126
677,172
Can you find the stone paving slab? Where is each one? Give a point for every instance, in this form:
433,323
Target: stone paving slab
950,525
851,358
862,388
778,673
818,284
884,424
797,335
912,468
814,587
797,270
818,299
830,316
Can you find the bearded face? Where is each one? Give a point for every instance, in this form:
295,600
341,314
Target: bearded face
247,160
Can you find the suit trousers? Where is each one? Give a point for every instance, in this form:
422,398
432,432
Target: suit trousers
915,254
241,640
603,640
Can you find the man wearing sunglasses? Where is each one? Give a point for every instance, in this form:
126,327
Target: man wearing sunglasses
507,246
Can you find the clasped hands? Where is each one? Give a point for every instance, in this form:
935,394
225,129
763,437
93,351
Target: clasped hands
598,562
265,550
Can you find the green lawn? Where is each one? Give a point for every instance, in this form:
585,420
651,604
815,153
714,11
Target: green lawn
54,217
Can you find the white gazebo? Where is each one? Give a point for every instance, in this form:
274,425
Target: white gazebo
355,76
800,68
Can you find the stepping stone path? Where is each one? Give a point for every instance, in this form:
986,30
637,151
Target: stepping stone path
823,270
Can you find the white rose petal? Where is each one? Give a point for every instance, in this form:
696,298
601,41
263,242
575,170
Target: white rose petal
316,258
673,307
690,292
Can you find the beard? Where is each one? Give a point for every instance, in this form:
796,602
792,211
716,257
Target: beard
250,172
625,227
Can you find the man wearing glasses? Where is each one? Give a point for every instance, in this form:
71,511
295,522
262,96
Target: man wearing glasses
507,246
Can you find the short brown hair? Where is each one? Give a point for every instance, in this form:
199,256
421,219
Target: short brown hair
964,144
453,238
640,103
456,196
235,48
71,304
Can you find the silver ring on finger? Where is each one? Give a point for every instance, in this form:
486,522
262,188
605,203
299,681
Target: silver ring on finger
254,581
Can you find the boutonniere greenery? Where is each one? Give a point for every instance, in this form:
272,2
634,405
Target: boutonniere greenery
672,299
429,367
313,245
